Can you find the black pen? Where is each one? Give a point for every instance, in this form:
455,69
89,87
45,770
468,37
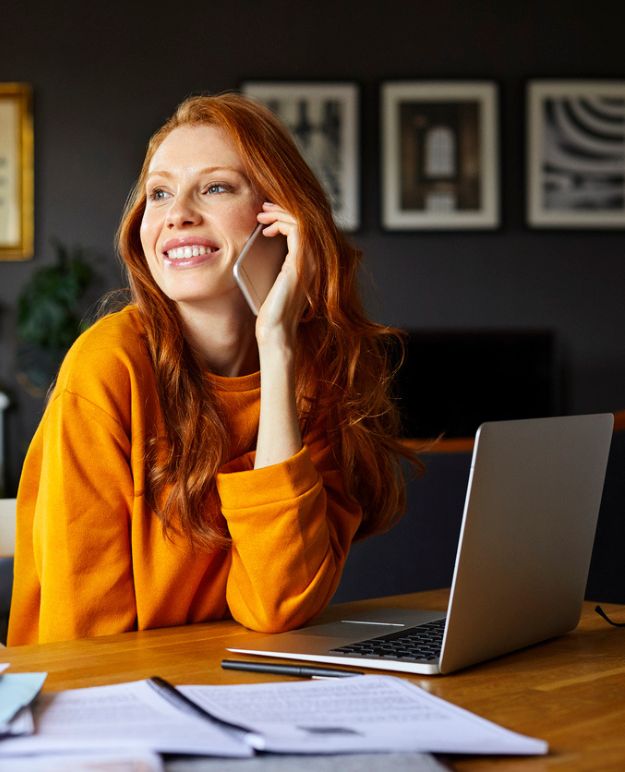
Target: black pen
275,668
182,702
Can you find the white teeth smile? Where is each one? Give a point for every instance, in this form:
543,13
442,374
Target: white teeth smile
195,250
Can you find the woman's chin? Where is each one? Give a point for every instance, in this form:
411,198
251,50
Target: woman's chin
219,298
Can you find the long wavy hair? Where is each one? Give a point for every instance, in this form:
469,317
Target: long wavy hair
343,369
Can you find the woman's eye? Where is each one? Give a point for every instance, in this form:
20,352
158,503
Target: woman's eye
158,194
217,187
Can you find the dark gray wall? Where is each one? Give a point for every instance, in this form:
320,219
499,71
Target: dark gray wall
106,75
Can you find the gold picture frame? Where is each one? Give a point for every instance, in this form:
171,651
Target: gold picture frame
16,172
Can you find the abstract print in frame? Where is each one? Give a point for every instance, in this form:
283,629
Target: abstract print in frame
576,154
323,119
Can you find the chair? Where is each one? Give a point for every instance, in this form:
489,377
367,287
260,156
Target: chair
7,527
7,548
420,551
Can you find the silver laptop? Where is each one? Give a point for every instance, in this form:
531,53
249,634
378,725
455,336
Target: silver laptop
524,551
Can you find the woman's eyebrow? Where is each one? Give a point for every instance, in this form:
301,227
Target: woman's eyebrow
205,170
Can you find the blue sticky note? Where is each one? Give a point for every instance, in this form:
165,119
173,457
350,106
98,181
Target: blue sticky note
17,690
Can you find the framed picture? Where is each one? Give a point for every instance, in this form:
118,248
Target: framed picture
16,172
439,155
576,154
323,118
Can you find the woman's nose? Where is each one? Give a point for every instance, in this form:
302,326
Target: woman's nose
183,212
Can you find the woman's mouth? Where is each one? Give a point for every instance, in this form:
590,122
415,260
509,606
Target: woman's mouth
189,254
195,250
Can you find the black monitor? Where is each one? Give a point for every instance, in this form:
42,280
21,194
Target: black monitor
451,381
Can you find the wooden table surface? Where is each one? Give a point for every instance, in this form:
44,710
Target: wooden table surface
569,691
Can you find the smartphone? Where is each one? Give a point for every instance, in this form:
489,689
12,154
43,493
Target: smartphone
258,265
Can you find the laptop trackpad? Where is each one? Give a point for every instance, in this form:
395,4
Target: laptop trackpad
372,622
399,617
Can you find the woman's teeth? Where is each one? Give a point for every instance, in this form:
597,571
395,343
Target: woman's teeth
193,251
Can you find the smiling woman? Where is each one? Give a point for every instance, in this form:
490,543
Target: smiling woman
195,461
200,210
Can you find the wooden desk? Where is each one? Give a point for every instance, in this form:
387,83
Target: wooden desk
569,691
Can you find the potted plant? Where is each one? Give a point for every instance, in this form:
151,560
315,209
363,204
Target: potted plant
49,313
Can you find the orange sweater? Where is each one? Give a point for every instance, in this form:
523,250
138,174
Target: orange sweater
90,556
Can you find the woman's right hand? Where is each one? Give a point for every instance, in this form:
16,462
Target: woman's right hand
280,314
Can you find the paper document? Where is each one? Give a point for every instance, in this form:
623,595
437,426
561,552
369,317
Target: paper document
364,713
113,761
17,690
21,723
124,716
373,713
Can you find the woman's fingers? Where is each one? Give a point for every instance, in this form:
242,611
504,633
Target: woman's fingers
284,305
279,221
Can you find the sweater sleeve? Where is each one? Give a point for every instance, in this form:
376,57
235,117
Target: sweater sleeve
291,526
77,482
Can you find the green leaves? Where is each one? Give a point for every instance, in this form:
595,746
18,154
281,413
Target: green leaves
49,311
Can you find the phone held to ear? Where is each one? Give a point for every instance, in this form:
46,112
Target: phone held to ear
258,265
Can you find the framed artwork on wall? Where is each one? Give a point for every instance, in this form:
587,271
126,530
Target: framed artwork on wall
440,154
323,118
576,154
16,172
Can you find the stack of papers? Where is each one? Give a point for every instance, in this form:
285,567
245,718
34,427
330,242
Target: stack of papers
17,691
361,714
102,761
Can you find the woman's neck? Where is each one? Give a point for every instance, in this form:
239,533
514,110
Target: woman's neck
224,338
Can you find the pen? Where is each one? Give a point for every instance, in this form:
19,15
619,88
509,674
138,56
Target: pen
303,671
182,702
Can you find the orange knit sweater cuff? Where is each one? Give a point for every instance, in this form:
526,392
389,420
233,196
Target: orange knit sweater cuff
240,486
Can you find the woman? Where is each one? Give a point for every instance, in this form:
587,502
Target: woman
194,461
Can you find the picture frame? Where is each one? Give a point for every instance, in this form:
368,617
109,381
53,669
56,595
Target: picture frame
576,154
16,172
324,121
440,155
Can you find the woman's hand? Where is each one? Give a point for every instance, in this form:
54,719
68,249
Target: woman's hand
282,310
279,435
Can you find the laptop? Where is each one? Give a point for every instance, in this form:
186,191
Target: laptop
522,563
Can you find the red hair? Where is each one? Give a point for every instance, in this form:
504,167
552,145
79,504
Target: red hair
337,340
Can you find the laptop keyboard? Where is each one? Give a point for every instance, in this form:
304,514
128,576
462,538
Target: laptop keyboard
415,644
